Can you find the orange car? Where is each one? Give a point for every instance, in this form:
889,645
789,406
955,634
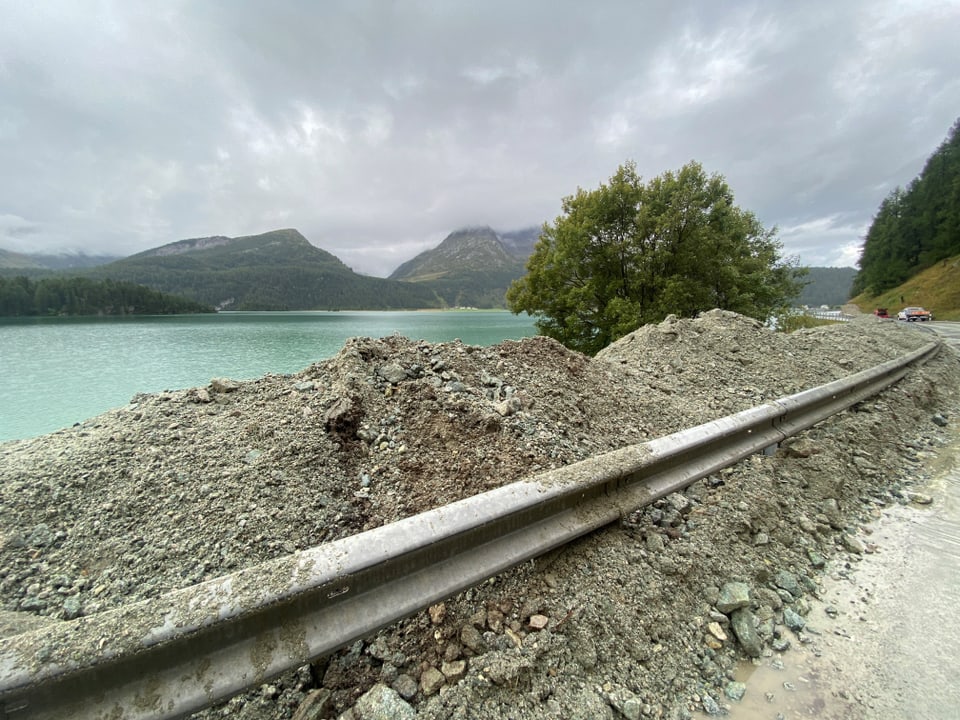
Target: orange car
914,314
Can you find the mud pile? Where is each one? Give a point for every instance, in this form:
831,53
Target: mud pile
642,619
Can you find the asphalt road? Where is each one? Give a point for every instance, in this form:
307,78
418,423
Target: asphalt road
950,331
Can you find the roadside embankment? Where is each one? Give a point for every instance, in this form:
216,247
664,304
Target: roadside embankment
647,618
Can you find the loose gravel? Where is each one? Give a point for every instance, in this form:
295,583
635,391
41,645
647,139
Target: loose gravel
644,619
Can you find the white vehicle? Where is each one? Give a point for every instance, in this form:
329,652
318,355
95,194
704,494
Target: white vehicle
914,314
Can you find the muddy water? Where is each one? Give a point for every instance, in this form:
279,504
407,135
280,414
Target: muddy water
885,642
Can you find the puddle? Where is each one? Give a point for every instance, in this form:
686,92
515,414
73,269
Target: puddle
885,642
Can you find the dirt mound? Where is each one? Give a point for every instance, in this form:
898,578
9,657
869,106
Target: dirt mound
182,486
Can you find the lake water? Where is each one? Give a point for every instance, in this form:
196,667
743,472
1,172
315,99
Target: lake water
58,371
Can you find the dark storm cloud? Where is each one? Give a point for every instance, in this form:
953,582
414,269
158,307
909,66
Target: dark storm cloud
378,127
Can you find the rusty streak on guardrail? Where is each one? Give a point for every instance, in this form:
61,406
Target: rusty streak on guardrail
190,648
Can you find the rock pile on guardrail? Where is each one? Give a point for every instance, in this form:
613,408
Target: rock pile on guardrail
646,619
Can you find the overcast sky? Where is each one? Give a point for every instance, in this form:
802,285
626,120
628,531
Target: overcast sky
376,128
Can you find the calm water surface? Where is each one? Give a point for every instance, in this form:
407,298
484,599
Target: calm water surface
58,371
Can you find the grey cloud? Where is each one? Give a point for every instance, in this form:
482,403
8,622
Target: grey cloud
377,127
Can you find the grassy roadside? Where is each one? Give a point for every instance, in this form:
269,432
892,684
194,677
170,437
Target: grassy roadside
937,289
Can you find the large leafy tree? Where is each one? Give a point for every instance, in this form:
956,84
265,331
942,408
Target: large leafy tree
631,253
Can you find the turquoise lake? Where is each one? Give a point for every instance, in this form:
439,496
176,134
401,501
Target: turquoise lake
59,371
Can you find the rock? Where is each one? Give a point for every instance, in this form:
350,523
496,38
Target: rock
655,542
817,560
41,536
437,613
786,580
472,639
831,511
504,668
735,690
852,544
405,686
799,448
203,396
379,649
305,386
431,680
454,671
393,373
383,703
538,622
679,502
13,541
793,620
451,652
733,595
72,607
625,702
940,420
314,706
717,631
31,603
343,417
765,597
918,498
744,627
711,706
224,385
509,407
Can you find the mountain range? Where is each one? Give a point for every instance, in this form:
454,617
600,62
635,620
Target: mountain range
472,267
62,261
277,270
281,270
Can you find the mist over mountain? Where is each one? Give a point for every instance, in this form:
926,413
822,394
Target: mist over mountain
61,261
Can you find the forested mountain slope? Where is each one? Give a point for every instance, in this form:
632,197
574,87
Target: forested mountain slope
278,270
916,227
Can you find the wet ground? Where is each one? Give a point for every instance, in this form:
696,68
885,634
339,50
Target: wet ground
885,642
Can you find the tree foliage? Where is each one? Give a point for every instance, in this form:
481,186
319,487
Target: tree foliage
631,253
21,296
916,227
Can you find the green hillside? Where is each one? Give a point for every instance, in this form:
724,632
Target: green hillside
278,270
937,289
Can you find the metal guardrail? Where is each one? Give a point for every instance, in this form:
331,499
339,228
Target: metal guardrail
190,648
835,315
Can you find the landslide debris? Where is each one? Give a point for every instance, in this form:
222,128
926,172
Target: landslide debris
642,619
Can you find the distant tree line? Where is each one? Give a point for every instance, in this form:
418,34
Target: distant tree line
915,227
21,296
